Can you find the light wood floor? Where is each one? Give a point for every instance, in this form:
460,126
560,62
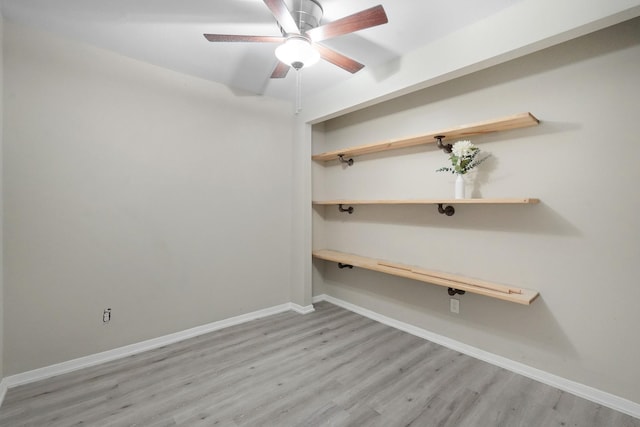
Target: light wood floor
329,368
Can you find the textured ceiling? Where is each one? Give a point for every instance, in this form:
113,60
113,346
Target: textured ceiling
168,33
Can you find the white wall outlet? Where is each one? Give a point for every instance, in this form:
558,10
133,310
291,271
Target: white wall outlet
454,305
106,315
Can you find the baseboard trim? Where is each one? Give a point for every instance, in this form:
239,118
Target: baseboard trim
302,309
129,350
598,396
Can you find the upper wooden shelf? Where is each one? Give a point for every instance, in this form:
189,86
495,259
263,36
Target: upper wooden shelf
506,123
451,281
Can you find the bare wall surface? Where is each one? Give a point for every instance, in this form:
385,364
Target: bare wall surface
163,197
579,247
1,203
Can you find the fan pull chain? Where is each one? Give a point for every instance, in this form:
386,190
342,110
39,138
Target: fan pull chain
298,90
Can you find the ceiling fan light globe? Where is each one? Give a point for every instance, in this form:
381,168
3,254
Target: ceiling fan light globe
297,50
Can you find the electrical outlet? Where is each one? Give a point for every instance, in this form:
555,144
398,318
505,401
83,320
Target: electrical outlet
106,315
454,305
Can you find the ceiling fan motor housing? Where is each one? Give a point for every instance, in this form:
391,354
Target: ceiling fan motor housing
306,13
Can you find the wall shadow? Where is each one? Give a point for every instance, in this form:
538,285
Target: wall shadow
534,326
573,51
524,219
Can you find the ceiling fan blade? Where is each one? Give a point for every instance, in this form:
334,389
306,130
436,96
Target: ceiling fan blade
241,38
339,59
280,71
283,16
358,21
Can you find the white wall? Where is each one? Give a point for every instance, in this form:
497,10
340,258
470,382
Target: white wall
1,203
301,218
161,196
579,247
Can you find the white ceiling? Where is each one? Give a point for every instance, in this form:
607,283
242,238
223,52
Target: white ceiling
168,33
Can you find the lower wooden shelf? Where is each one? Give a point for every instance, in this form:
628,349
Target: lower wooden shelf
503,292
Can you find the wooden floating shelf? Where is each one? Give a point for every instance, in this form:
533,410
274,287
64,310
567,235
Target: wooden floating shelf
517,121
448,210
503,201
506,293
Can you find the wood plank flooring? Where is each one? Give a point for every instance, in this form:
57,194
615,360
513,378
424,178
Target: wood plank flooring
328,368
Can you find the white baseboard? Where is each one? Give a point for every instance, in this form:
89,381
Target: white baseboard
302,310
606,399
598,396
118,353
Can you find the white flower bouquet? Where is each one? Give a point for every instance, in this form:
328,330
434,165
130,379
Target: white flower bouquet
463,157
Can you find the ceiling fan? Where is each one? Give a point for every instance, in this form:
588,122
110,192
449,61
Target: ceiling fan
301,31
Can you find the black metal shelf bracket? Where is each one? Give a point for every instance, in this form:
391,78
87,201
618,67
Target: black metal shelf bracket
444,147
453,291
343,209
448,211
341,265
349,162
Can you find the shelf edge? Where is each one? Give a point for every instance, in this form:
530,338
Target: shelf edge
526,297
494,201
516,121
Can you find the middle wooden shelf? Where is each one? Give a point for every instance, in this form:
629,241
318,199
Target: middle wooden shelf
498,201
448,210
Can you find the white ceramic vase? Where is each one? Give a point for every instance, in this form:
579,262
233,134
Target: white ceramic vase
460,186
